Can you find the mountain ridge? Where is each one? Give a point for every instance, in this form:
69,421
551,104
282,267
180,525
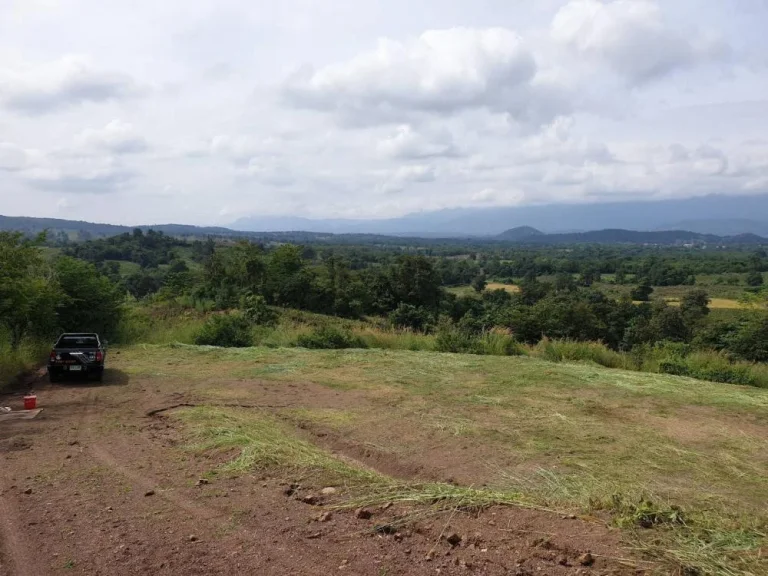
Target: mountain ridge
517,235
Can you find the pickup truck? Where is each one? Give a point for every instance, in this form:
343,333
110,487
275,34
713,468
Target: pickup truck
75,353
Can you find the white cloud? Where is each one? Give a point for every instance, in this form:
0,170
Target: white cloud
80,175
116,137
270,173
441,72
556,143
451,104
417,173
12,157
408,144
632,38
68,81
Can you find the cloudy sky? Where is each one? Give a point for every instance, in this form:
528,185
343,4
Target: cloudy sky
202,111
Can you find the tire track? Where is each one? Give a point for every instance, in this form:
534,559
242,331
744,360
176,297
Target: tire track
22,560
102,454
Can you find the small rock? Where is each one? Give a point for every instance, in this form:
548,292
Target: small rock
453,539
562,560
398,536
310,500
192,538
68,456
586,559
430,555
329,491
315,536
149,493
28,491
202,481
109,508
325,517
73,442
289,491
387,506
363,514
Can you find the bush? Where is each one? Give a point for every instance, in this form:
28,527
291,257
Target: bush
676,367
330,338
411,317
228,331
256,310
450,339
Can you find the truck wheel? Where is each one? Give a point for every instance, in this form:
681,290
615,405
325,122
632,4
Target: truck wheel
53,377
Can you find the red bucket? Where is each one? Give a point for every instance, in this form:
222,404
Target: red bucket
30,402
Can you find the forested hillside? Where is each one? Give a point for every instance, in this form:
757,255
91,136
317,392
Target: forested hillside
649,305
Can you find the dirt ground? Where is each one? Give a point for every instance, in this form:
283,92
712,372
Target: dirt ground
98,485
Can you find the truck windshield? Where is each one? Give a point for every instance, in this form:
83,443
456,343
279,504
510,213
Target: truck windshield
77,342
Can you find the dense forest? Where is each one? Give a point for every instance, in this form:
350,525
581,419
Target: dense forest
578,293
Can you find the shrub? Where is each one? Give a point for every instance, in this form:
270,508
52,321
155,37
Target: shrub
451,339
330,337
256,310
226,330
675,367
411,317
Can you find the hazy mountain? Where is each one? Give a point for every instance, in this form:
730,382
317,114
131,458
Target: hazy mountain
721,226
650,215
617,236
520,233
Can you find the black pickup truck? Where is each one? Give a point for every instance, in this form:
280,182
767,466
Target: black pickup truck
77,354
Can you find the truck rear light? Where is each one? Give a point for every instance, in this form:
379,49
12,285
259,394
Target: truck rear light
53,356
99,356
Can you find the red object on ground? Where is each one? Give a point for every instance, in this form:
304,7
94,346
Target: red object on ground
30,402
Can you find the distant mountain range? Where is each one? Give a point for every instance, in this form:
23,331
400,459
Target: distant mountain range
723,215
517,235
528,235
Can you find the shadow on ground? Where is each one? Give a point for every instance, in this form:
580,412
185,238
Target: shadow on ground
112,377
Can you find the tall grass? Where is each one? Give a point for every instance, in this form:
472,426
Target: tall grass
13,363
573,351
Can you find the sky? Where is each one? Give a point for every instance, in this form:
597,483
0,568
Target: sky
203,112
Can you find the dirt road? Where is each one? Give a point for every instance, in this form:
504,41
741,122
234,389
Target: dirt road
95,485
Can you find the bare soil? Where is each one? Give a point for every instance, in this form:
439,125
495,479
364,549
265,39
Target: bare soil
96,485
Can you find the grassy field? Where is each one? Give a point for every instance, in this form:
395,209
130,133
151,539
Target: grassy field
687,455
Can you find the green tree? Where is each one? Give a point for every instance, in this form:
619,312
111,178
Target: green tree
479,283
751,340
89,302
564,282
641,293
287,282
414,280
694,306
754,278
410,316
667,323
28,291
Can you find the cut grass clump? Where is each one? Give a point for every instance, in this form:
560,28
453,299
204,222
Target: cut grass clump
266,443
